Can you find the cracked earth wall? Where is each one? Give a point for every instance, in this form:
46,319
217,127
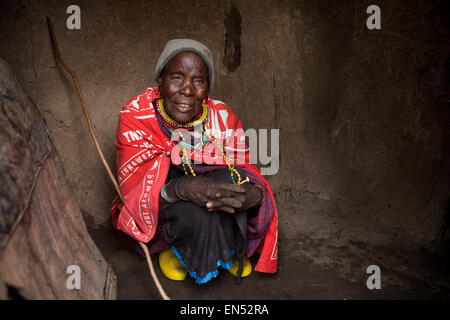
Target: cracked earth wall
363,114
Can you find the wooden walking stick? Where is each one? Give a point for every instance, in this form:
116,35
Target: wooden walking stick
102,157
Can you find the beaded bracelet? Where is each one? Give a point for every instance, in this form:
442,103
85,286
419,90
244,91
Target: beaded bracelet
165,195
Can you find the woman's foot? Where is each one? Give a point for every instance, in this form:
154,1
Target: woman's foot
171,266
245,272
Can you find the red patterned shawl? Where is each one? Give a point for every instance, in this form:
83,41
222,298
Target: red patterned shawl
144,155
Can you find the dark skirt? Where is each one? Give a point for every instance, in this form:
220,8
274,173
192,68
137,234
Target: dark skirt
202,240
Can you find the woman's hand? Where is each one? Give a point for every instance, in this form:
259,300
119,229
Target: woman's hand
252,196
218,196
206,192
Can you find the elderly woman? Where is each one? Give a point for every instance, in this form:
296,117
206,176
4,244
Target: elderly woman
183,169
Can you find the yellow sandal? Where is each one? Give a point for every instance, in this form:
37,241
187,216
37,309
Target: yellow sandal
171,266
247,268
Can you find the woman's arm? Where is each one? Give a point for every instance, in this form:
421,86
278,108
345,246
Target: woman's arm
211,194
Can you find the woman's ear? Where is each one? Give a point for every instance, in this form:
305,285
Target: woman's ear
159,80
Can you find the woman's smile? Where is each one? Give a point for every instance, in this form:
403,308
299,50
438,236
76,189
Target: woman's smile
183,107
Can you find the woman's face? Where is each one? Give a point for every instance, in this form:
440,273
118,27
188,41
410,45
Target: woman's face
183,86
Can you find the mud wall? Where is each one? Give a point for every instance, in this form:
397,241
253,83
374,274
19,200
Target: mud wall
363,114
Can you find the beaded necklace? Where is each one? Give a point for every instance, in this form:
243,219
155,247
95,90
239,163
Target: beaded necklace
205,134
201,117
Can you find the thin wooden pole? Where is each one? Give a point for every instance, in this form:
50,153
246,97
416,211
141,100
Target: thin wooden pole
152,272
83,105
102,157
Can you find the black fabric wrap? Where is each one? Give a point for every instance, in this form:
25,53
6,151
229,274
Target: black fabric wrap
201,237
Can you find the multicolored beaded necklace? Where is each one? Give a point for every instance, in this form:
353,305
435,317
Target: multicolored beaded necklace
171,123
199,120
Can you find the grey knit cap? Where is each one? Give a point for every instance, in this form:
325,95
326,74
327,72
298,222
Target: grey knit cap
175,46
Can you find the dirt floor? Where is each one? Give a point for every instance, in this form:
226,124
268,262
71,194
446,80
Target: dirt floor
325,247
